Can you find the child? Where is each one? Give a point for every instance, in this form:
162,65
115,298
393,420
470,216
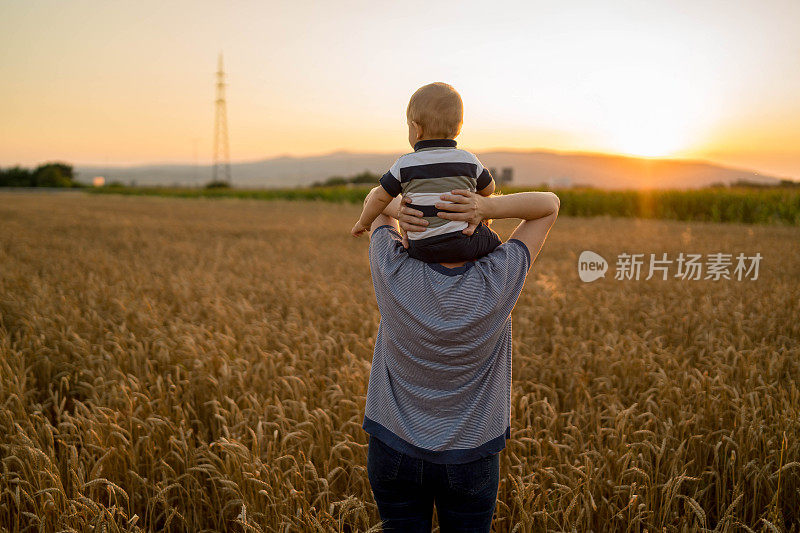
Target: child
436,166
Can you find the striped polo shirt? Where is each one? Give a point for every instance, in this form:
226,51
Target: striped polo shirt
435,167
440,383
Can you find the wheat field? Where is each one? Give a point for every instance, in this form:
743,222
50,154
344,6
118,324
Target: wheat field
202,364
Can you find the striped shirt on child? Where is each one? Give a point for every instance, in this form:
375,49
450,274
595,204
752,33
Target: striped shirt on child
435,167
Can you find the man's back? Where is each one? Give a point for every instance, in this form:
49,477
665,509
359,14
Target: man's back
440,383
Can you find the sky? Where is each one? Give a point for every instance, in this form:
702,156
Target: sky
99,82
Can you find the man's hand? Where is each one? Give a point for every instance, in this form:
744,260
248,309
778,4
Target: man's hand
410,220
359,229
466,207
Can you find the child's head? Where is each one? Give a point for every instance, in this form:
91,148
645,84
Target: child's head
435,111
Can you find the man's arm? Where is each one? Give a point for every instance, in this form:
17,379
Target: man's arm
528,206
533,231
538,211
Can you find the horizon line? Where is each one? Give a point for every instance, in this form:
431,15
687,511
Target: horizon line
679,159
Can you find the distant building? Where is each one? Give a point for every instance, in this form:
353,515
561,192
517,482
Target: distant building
561,183
98,181
506,176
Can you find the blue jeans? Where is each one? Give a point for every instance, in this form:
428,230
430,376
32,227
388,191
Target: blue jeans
406,488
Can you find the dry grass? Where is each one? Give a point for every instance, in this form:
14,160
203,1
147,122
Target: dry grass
201,365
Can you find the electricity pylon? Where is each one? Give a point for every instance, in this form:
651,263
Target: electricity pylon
222,159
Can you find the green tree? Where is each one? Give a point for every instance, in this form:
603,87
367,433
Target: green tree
15,177
218,184
365,177
358,179
53,175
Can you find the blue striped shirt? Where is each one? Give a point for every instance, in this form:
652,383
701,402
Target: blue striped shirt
440,383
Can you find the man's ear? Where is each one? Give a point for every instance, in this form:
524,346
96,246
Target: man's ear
417,128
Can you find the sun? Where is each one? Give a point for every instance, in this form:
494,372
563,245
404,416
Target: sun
648,139
649,128
645,116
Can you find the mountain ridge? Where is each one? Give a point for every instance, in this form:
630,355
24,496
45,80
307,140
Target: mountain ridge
531,168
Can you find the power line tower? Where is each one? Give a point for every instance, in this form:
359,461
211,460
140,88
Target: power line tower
222,159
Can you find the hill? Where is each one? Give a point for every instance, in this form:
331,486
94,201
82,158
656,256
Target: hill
530,168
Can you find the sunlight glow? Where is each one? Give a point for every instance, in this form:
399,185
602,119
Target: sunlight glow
646,112
649,137
651,120
630,78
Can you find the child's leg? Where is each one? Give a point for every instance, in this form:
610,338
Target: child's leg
455,247
482,241
447,248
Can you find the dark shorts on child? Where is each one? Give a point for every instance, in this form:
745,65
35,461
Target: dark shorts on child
454,247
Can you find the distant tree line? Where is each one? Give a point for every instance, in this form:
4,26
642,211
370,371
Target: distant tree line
45,175
745,183
365,177
218,184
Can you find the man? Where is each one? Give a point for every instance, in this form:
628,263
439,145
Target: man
438,402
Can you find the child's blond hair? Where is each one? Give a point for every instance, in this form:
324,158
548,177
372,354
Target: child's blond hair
438,109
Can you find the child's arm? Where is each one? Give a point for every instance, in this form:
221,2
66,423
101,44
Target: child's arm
488,190
374,204
485,181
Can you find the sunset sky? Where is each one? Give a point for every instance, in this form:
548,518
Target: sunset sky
133,82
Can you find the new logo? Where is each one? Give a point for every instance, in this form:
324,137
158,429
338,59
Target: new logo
591,266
